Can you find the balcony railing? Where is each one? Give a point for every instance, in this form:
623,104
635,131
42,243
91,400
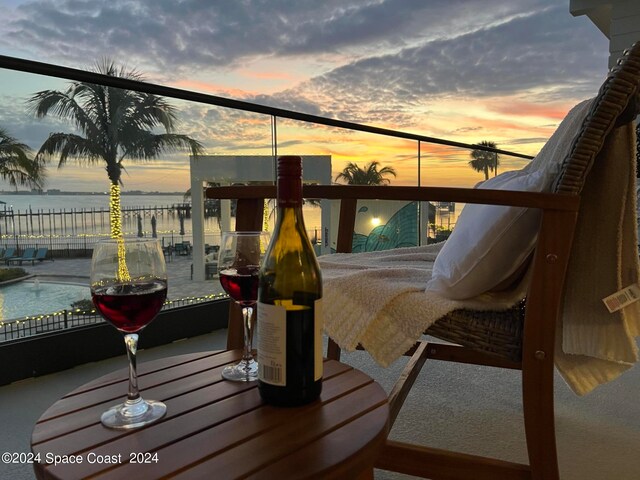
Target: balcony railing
273,114
40,68
427,148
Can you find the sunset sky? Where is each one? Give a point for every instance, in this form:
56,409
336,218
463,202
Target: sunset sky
463,70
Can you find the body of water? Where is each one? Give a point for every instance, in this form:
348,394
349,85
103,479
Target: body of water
37,215
35,218
97,200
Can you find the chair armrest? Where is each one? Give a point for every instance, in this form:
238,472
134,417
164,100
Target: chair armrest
463,195
251,199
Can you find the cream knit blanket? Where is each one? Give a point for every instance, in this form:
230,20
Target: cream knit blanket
378,299
593,345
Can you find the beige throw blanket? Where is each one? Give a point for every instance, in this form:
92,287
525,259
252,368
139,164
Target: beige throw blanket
378,299
595,346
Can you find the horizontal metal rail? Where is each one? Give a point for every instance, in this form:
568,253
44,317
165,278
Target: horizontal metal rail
40,68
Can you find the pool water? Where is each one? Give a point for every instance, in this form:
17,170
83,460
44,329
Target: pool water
35,297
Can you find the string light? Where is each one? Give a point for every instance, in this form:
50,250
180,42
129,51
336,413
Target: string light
265,215
123,270
115,216
115,220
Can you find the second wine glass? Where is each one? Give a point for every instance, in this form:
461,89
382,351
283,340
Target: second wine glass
238,267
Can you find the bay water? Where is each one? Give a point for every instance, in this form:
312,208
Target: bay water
41,215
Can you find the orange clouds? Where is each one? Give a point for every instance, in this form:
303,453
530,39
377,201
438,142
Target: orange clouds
212,88
554,111
275,75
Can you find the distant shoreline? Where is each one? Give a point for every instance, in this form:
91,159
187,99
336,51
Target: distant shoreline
61,192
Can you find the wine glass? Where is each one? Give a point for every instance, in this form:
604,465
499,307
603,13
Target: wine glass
238,267
128,288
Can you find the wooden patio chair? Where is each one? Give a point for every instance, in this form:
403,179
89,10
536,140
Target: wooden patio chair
521,338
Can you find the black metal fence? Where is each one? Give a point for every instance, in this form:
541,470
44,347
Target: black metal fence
58,350
59,247
76,221
73,232
67,319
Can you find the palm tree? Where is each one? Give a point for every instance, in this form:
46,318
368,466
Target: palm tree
113,125
17,165
369,175
484,161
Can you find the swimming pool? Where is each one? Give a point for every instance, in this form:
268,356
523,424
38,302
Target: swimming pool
33,297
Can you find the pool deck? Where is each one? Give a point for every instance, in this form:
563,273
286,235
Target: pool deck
76,270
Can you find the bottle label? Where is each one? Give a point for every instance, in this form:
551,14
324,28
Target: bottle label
272,339
272,344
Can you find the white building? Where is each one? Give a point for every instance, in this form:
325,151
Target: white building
229,169
619,20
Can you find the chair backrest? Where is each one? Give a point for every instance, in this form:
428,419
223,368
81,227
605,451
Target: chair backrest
10,252
42,253
617,102
29,252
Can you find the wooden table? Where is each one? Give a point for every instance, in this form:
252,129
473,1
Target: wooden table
214,429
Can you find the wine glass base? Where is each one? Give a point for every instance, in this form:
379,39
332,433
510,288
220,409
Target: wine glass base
120,417
244,371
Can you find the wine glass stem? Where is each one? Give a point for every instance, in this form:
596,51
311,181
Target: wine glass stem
131,341
247,313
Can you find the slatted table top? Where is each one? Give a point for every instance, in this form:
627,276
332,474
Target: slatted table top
214,429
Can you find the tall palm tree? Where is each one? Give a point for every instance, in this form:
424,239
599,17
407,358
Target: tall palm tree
484,161
17,165
369,175
113,125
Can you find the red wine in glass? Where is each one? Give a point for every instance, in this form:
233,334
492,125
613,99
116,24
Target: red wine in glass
130,306
238,268
241,283
128,288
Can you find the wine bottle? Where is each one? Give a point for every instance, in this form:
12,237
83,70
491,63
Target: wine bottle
289,301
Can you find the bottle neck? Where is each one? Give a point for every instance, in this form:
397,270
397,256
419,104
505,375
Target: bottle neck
290,214
289,229
289,192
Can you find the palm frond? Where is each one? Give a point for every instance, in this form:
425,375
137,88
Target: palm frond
114,124
63,105
17,165
147,146
68,146
369,175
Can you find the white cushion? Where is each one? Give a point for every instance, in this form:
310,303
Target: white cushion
490,242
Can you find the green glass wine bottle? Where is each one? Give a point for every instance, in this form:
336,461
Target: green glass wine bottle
289,302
